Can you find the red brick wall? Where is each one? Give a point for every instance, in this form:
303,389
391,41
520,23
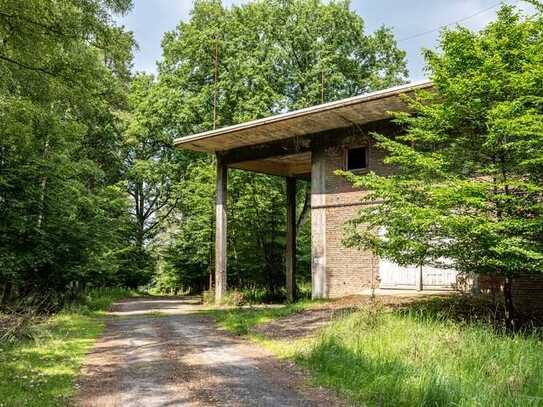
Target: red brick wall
349,271
527,290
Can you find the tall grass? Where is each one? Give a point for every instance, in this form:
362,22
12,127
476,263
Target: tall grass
449,351
412,359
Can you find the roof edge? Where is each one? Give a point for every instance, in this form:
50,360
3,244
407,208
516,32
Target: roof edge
380,94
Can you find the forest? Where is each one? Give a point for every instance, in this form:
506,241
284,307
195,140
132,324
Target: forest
92,194
107,231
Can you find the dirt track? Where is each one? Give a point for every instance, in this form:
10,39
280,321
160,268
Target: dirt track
181,359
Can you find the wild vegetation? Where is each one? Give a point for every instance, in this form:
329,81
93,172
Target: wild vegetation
64,70
92,193
41,356
436,352
469,188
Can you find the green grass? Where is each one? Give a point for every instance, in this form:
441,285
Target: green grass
416,357
41,372
408,360
239,321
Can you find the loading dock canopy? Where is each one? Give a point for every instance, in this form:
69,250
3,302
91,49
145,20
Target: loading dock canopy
342,113
283,145
274,145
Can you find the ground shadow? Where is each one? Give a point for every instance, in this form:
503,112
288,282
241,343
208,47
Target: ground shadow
377,381
467,309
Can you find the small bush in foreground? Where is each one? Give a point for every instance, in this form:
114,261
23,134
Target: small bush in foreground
18,326
234,298
208,297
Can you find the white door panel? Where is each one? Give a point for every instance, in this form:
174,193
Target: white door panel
393,275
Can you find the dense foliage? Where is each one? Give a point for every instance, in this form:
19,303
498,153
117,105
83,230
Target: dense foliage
64,67
226,66
468,192
92,192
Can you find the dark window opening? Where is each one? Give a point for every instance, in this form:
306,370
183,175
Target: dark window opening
357,158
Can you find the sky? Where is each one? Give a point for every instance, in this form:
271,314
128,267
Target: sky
414,22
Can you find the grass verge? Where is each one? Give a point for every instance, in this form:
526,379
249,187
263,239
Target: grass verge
239,321
41,371
411,356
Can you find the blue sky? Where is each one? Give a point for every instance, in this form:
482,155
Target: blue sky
150,19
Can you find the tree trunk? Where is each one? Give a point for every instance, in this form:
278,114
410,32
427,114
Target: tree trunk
43,187
6,297
509,307
304,215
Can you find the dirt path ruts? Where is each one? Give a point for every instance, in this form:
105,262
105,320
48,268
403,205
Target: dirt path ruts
182,360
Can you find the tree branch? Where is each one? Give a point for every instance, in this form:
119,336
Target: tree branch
46,27
31,68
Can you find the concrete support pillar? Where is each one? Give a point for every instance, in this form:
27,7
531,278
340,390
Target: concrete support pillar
220,231
290,253
318,224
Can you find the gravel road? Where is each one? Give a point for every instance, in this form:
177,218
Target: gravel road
179,358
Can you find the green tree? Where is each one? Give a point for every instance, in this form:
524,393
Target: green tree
151,173
229,65
63,72
470,163
189,255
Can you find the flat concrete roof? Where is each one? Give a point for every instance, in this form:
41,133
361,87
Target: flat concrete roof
343,113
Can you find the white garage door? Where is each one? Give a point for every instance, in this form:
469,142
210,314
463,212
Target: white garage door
393,275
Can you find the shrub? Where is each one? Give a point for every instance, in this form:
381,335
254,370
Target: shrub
208,297
304,290
234,298
17,326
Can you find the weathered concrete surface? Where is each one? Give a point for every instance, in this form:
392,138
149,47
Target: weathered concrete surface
183,360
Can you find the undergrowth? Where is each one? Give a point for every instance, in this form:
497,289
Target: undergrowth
253,295
240,321
437,352
40,354
448,351
403,358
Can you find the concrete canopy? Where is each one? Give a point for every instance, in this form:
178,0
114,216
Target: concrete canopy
345,113
291,145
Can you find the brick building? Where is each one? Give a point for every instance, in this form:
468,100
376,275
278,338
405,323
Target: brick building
312,144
